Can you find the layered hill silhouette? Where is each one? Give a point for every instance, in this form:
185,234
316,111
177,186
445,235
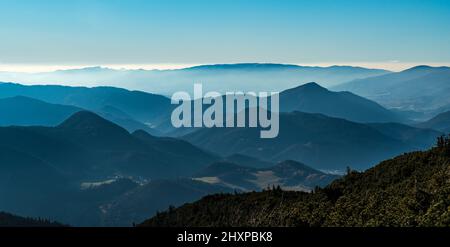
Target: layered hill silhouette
24,111
317,140
44,166
312,98
218,77
135,110
140,106
421,88
137,203
440,122
289,175
89,171
409,190
88,144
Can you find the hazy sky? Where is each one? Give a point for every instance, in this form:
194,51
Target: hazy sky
174,32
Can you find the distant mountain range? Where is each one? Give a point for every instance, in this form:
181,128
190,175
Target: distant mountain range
220,77
86,139
90,171
320,141
139,110
100,156
119,104
422,88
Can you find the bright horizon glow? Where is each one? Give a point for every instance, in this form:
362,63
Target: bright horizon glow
49,34
393,66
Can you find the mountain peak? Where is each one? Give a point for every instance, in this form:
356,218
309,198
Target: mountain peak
425,68
84,120
245,66
310,87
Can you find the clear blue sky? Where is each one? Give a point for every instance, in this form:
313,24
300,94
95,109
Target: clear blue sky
196,31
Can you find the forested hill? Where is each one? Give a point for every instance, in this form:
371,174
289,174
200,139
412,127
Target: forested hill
9,220
410,190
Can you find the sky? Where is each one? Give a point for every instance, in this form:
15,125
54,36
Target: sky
43,34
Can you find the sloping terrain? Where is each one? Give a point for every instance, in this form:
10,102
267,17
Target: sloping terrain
410,190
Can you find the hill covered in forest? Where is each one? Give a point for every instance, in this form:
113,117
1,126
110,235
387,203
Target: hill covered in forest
410,190
10,220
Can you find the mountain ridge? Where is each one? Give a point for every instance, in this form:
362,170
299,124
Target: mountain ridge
421,88
409,190
315,139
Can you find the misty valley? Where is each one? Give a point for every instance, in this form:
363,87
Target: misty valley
108,156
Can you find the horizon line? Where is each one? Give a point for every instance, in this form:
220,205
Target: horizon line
393,66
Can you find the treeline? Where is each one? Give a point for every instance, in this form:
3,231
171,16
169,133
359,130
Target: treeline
9,220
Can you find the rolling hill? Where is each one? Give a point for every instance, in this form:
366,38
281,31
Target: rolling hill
86,144
421,88
24,111
45,166
440,122
409,190
144,107
143,201
290,175
312,98
317,140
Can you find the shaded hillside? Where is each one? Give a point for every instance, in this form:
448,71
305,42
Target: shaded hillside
409,190
290,175
314,139
145,201
143,107
248,161
417,137
26,111
9,220
88,145
440,122
422,88
44,166
312,98
126,121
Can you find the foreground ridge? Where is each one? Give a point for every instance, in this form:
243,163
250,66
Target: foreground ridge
410,190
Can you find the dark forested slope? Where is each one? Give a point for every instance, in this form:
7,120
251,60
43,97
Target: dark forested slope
410,190
9,220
